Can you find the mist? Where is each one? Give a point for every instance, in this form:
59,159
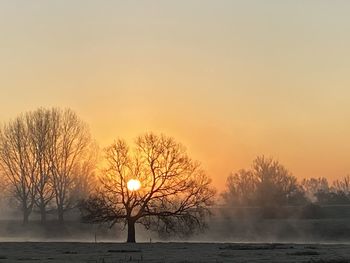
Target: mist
224,225
58,185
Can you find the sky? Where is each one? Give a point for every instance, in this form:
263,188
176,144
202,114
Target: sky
229,79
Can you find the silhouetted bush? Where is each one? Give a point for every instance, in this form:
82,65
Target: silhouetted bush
332,198
274,212
312,211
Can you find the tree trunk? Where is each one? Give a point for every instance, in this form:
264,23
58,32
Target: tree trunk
131,231
25,217
26,212
60,215
43,214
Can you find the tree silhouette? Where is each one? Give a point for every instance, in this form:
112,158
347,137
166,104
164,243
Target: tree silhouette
241,188
342,185
44,157
314,186
175,193
39,124
18,163
276,185
267,184
70,141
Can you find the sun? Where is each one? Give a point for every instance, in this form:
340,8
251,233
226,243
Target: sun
134,184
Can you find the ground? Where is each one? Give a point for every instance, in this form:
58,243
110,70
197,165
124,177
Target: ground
172,252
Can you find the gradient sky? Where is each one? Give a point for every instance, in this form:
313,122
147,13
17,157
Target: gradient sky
229,79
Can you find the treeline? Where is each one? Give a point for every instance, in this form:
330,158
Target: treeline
269,185
47,162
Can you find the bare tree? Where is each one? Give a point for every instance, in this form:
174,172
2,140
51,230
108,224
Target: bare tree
85,174
44,155
70,140
276,185
342,185
18,163
39,123
314,186
267,184
175,194
241,188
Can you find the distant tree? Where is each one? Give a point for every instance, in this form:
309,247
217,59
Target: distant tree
276,185
342,185
313,186
44,157
70,142
18,163
85,175
39,124
332,198
311,211
267,184
241,188
175,194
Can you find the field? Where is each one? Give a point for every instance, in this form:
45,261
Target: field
172,252
238,240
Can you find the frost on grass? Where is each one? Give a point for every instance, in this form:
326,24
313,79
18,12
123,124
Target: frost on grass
172,252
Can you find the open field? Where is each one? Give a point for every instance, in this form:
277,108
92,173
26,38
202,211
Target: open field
172,252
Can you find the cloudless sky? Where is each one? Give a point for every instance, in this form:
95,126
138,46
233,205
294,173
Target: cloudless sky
229,79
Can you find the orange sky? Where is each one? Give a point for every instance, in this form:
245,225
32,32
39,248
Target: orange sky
229,79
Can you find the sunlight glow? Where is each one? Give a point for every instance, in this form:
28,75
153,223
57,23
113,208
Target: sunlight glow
134,184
